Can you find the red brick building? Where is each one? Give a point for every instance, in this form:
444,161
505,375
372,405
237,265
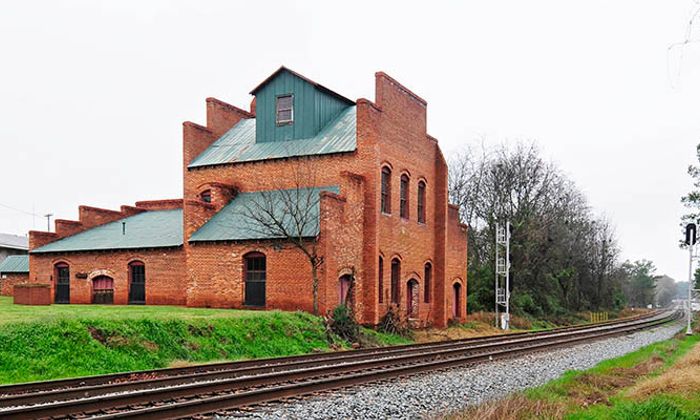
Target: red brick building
359,183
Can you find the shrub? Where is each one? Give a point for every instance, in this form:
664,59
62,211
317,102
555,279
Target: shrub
343,324
393,323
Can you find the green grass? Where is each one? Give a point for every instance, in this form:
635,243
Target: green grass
384,339
669,351
59,341
10,313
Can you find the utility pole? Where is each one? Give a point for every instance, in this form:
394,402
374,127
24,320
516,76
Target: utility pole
48,221
503,274
690,239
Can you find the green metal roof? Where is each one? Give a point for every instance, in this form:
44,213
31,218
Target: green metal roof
151,229
239,145
234,222
15,264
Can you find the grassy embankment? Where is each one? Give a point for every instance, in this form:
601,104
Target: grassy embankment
58,341
660,381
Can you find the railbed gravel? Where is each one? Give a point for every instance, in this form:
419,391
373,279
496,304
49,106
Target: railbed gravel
431,395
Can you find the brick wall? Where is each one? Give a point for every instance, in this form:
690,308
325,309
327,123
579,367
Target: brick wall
9,280
165,272
391,131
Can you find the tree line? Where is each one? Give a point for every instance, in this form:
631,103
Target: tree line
564,258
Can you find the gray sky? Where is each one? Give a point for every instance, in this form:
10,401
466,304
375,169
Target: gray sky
93,94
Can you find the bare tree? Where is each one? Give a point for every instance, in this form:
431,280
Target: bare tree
562,256
291,217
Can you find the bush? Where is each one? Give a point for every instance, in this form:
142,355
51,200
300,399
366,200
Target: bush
393,323
343,324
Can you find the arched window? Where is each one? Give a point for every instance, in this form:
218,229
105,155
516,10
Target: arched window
381,279
255,275
395,278
103,290
457,300
386,190
404,197
344,288
421,202
206,196
428,276
62,275
137,283
412,298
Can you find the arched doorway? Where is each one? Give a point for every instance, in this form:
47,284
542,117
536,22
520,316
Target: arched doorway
137,283
102,290
255,275
62,292
412,298
456,300
344,288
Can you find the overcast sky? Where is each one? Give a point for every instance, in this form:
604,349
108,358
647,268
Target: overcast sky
93,94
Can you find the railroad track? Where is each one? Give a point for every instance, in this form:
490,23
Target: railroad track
173,393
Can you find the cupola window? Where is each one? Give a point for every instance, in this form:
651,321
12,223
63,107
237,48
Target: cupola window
285,109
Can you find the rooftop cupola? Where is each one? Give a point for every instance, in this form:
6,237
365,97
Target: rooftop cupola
288,106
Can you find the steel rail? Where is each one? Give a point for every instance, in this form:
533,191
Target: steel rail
248,369
216,403
85,383
300,372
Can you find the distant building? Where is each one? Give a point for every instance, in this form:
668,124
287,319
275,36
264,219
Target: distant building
12,245
14,270
384,228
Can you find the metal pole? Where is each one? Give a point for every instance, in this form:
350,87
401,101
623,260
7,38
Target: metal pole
48,221
689,331
496,276
507,292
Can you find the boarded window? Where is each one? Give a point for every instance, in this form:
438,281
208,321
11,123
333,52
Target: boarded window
428,275
404,196
395,278
386,190
381,280
285,109
421,202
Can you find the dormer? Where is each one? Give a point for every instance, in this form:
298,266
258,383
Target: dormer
288,106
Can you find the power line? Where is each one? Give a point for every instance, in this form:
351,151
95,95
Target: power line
20,210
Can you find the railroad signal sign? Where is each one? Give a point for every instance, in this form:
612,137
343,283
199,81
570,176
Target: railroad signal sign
691,234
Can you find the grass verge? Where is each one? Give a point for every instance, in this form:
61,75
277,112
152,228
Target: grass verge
659,381
60,341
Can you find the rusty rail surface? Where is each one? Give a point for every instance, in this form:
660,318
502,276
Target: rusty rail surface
209,388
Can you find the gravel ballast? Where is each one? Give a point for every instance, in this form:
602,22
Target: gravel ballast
433,394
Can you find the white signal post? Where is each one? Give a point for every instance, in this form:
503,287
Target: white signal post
689,308
690,239
503,275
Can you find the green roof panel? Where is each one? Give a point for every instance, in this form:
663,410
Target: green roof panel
150,229
15,264
239,145
235,222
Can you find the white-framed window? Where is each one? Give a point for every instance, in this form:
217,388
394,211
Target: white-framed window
285,109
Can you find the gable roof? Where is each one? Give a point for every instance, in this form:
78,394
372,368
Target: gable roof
233,222
150,229
13,241
238,144
307,80
15,264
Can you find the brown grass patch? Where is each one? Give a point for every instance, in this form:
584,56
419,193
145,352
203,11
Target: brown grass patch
596,388
514,407
683,378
